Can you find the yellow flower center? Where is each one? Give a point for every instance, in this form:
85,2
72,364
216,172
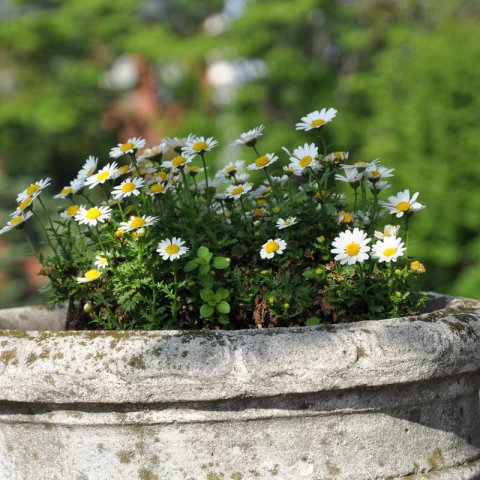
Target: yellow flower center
32,188
128,187
16,220
388,252
92,275
103,260
276,209
172,249
237,190
93,213
137,222
157,188
352,249
261,202
199,146
271,246
230,169
72,210
375,173
259,212
23,205
103,176
124,169
193,169
347,217
66,191
262,161
127,146
305,161
179,160
119,234
162,175
317,122
403,206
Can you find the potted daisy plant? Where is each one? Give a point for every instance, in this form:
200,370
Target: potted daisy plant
173,273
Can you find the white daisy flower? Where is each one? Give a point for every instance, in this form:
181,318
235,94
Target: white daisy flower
176,143
124,170
376,187
388,231
263,162
101,261
316,119
128,187
402,204
249,138
375,173
303,158
70,212
15,222
345,218
130,146
196,145
335,157
108,172
288,222
88,168
180,161
89,276
272,247
156,151
351,246
22,206
93,215
158,188
171,249
352,176
65,192
242,177
232,168
34,189
137,222
388,249
237,191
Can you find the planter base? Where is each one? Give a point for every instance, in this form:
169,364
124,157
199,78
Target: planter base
391,399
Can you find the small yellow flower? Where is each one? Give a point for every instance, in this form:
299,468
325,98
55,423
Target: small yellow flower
417,267
271,300
319,271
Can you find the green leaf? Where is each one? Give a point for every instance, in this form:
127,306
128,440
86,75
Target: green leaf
206,281
191,265
202,253
206,311
204,269
312,321
223,307
206,294
220,263
224,293
223,319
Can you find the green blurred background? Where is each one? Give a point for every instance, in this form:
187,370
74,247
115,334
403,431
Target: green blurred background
77,76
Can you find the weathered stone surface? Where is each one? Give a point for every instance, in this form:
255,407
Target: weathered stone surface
372,400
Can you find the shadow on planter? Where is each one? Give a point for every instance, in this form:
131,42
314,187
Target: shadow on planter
369,400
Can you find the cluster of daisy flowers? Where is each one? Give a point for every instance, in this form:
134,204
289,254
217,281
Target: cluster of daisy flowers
142,187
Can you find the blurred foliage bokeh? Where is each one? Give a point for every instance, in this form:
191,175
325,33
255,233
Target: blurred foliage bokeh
77,76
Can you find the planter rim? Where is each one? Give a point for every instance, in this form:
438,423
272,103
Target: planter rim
195,366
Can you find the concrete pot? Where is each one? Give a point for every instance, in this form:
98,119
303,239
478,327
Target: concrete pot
385,399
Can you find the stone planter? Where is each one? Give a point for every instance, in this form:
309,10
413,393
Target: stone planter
371,400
